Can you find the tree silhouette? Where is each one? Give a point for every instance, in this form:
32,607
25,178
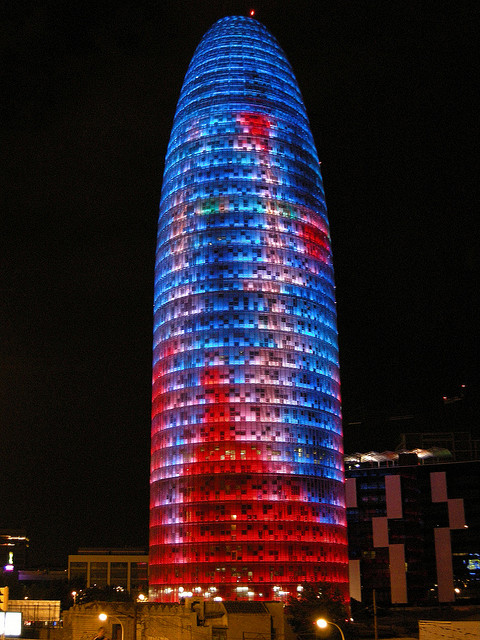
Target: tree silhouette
319,600
104,594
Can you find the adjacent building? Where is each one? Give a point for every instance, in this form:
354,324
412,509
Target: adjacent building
13,549
125,569
191,618
247,479
413,527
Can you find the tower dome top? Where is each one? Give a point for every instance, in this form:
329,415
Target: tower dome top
239,64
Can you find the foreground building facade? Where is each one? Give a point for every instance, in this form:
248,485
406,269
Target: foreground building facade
247,496
192,618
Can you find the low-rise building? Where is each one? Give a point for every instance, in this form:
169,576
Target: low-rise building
192,618
100,567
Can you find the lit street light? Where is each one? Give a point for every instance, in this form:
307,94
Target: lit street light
126,620
103,617
323,624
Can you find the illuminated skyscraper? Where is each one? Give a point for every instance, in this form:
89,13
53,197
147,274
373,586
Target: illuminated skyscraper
246,470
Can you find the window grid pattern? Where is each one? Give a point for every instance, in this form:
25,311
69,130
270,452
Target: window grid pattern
247,471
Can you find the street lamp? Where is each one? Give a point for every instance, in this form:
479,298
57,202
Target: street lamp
103,617
323,624
121,618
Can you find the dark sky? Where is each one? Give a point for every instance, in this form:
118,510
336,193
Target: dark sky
88,101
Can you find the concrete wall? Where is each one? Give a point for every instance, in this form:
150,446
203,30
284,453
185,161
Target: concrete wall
191,620
434,630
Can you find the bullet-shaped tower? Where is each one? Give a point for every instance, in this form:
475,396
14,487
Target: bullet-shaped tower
247,495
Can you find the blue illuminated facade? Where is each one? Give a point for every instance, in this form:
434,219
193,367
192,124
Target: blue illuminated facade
247,475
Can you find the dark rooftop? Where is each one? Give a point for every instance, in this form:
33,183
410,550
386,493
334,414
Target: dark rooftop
244,607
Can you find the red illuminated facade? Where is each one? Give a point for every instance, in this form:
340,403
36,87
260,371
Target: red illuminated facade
247,497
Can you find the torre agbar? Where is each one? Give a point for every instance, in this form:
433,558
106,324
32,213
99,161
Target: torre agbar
247,494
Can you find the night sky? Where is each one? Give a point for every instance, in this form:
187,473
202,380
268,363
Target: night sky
88,101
